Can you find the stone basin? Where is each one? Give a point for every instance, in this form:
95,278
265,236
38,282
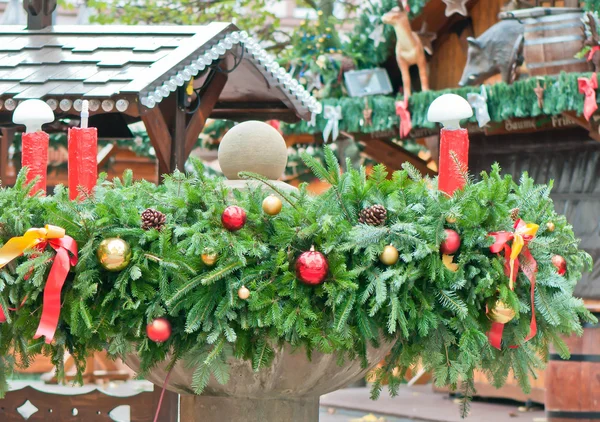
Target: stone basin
287,391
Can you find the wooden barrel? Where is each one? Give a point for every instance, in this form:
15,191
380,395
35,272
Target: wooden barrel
573,386
551,43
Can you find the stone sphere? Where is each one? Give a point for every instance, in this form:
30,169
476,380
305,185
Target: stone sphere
255,147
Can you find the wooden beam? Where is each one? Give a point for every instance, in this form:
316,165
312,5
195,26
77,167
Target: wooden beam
580,121
158,131
207,104
392,156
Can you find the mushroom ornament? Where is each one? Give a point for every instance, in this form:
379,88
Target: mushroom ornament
33,114
449,110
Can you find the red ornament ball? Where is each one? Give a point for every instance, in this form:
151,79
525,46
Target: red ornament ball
159,330
233,218
312,267
560,263
451,243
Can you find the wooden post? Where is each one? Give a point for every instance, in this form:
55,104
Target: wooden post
169,409
178,153
5,141
158,131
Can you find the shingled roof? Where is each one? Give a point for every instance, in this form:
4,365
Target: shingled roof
130,69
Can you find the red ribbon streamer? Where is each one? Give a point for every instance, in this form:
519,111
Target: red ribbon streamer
405,119
56,279
529,267
593,51
588,86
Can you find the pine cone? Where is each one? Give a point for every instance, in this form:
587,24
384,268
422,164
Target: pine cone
514,214
374,216
153,219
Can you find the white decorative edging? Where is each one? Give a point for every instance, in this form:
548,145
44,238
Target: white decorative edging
293,89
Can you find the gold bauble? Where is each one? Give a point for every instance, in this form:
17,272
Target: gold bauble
272,205
450,219
550,226
114,254
209,258
321,40
389,256
501,313
243,293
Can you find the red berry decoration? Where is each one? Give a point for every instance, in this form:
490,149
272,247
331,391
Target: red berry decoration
233,218
451,243
159,330
312,267
560,263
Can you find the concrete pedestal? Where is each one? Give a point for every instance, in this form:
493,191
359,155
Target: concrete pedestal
286,391
236,409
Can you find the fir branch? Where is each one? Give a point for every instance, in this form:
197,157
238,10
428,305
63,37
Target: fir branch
254,176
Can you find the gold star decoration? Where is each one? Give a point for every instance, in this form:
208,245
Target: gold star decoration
456,6
427,38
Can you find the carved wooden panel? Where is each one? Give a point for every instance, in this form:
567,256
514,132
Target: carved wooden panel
94,406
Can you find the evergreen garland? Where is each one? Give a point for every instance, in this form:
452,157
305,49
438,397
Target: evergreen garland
591,5
432,314
504,102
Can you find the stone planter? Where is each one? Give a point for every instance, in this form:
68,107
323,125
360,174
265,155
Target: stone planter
287,391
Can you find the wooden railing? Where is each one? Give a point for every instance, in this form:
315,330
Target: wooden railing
94,406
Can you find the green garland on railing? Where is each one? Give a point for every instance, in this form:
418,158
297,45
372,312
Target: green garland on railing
592,5
504,102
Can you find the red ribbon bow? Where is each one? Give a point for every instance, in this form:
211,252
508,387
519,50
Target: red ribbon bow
588,86
62,244
522,235
405,119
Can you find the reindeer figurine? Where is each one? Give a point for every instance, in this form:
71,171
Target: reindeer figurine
409,48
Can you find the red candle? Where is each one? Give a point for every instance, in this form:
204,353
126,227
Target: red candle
35,157
83,161
454,146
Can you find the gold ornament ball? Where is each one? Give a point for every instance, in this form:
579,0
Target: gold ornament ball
114,254
450,219
321,40
501,313
209,258
550,226
272,205
243,293
389,256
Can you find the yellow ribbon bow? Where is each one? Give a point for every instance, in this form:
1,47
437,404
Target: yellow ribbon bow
523,233
32,237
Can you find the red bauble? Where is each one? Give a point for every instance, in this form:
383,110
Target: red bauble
233,218
560,263
312,267
451,243
159,330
